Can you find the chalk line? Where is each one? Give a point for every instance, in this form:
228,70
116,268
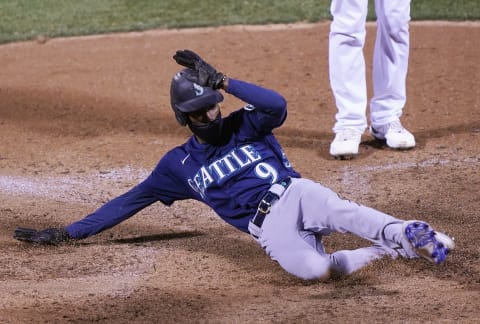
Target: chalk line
80,186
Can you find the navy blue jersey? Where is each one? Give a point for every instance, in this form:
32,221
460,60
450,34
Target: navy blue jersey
231,178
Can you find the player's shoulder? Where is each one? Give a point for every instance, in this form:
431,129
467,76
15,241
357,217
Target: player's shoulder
179,150
174,154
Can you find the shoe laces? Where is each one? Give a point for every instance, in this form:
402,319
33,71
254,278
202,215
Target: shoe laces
348,134
396,127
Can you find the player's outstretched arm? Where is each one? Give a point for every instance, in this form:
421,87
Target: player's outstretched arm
110,214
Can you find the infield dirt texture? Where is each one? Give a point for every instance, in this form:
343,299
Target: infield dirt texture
84,119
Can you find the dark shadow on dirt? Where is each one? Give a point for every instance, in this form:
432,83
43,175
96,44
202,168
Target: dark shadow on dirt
60,112
157,237
313,139
320,141
302,138
472,127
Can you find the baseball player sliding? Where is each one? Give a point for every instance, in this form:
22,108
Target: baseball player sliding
235,165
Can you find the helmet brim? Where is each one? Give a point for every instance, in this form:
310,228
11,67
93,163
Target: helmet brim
211,98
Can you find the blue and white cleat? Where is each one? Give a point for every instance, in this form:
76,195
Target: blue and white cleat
426,242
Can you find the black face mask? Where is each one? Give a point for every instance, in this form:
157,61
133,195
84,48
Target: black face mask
212,133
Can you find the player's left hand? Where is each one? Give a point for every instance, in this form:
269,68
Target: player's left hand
52,236
207,74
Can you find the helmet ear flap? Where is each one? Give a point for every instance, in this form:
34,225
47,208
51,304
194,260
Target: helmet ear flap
181,117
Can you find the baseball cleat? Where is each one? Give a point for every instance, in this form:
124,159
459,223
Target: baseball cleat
396,136
426,242
345,144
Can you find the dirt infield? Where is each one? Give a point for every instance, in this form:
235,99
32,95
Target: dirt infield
84,119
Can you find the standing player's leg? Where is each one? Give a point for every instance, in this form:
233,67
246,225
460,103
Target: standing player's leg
390,65
347,74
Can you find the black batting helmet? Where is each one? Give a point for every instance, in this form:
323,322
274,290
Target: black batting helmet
186,96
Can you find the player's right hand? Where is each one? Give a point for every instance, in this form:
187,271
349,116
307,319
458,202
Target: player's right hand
207,74
49,236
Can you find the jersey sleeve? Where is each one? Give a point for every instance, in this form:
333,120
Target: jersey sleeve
112,213
161,185
268,108
166,182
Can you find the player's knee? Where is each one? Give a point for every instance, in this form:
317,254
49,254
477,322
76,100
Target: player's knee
348,30
399,35
315,269
397,28
352,35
